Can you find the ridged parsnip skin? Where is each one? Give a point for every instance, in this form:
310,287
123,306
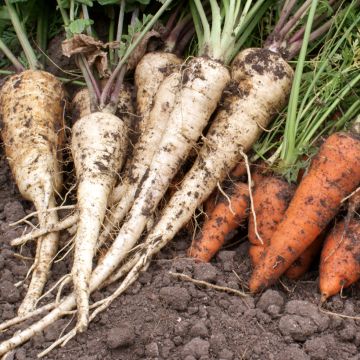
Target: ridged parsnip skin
31,109
203,82
150,72
98,147
80,105
263,84
143,152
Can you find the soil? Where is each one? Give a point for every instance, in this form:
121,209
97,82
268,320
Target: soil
162,317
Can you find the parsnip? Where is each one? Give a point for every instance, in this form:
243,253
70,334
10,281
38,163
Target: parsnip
98,148
31,108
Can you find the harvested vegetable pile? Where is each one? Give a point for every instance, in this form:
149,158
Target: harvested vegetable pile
195,117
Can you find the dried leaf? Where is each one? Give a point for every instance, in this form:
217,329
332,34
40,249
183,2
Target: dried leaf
140,50
92,49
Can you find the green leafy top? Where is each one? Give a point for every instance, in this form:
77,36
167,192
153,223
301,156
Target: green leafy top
231,22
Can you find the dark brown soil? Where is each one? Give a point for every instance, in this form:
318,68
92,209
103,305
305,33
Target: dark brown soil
161,317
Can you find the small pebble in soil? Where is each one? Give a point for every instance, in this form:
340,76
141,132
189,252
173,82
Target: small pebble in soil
205,272
298,327
123,336
175,297
270,298
225,255
217,342
13,211
152,350
199,329
196,347
9,292
226,354
316,348
308,310
292,353
348,332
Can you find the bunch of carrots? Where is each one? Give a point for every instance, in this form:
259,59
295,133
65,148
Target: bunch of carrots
218,101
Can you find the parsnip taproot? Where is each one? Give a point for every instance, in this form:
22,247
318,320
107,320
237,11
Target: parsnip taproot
31,109
98,147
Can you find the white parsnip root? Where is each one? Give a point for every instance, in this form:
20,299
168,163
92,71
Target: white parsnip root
31,107
98,147
143,152
151,71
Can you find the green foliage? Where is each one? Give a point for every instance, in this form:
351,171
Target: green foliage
79,25
134,29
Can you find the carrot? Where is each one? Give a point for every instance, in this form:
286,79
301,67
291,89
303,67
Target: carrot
271,198
302,264
339,263
225,217
31,107
333,174
209,205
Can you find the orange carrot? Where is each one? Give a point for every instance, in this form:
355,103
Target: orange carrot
271,198
222,221
340,258
302,264
333,174
210,204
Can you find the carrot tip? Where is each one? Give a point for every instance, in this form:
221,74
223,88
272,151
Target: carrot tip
324,297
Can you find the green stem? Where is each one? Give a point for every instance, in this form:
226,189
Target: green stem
42,29
205,25
18,66
197,25
229,20
86,16
288,154
65,18
111,38
72,10
215,34
120,26
352,111
253,18
150,24
64,14
20,32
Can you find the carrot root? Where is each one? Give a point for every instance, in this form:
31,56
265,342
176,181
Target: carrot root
334,173
225,218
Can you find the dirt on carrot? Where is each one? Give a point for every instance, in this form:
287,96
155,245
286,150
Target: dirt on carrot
271,197
227,215
339,264
334,173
